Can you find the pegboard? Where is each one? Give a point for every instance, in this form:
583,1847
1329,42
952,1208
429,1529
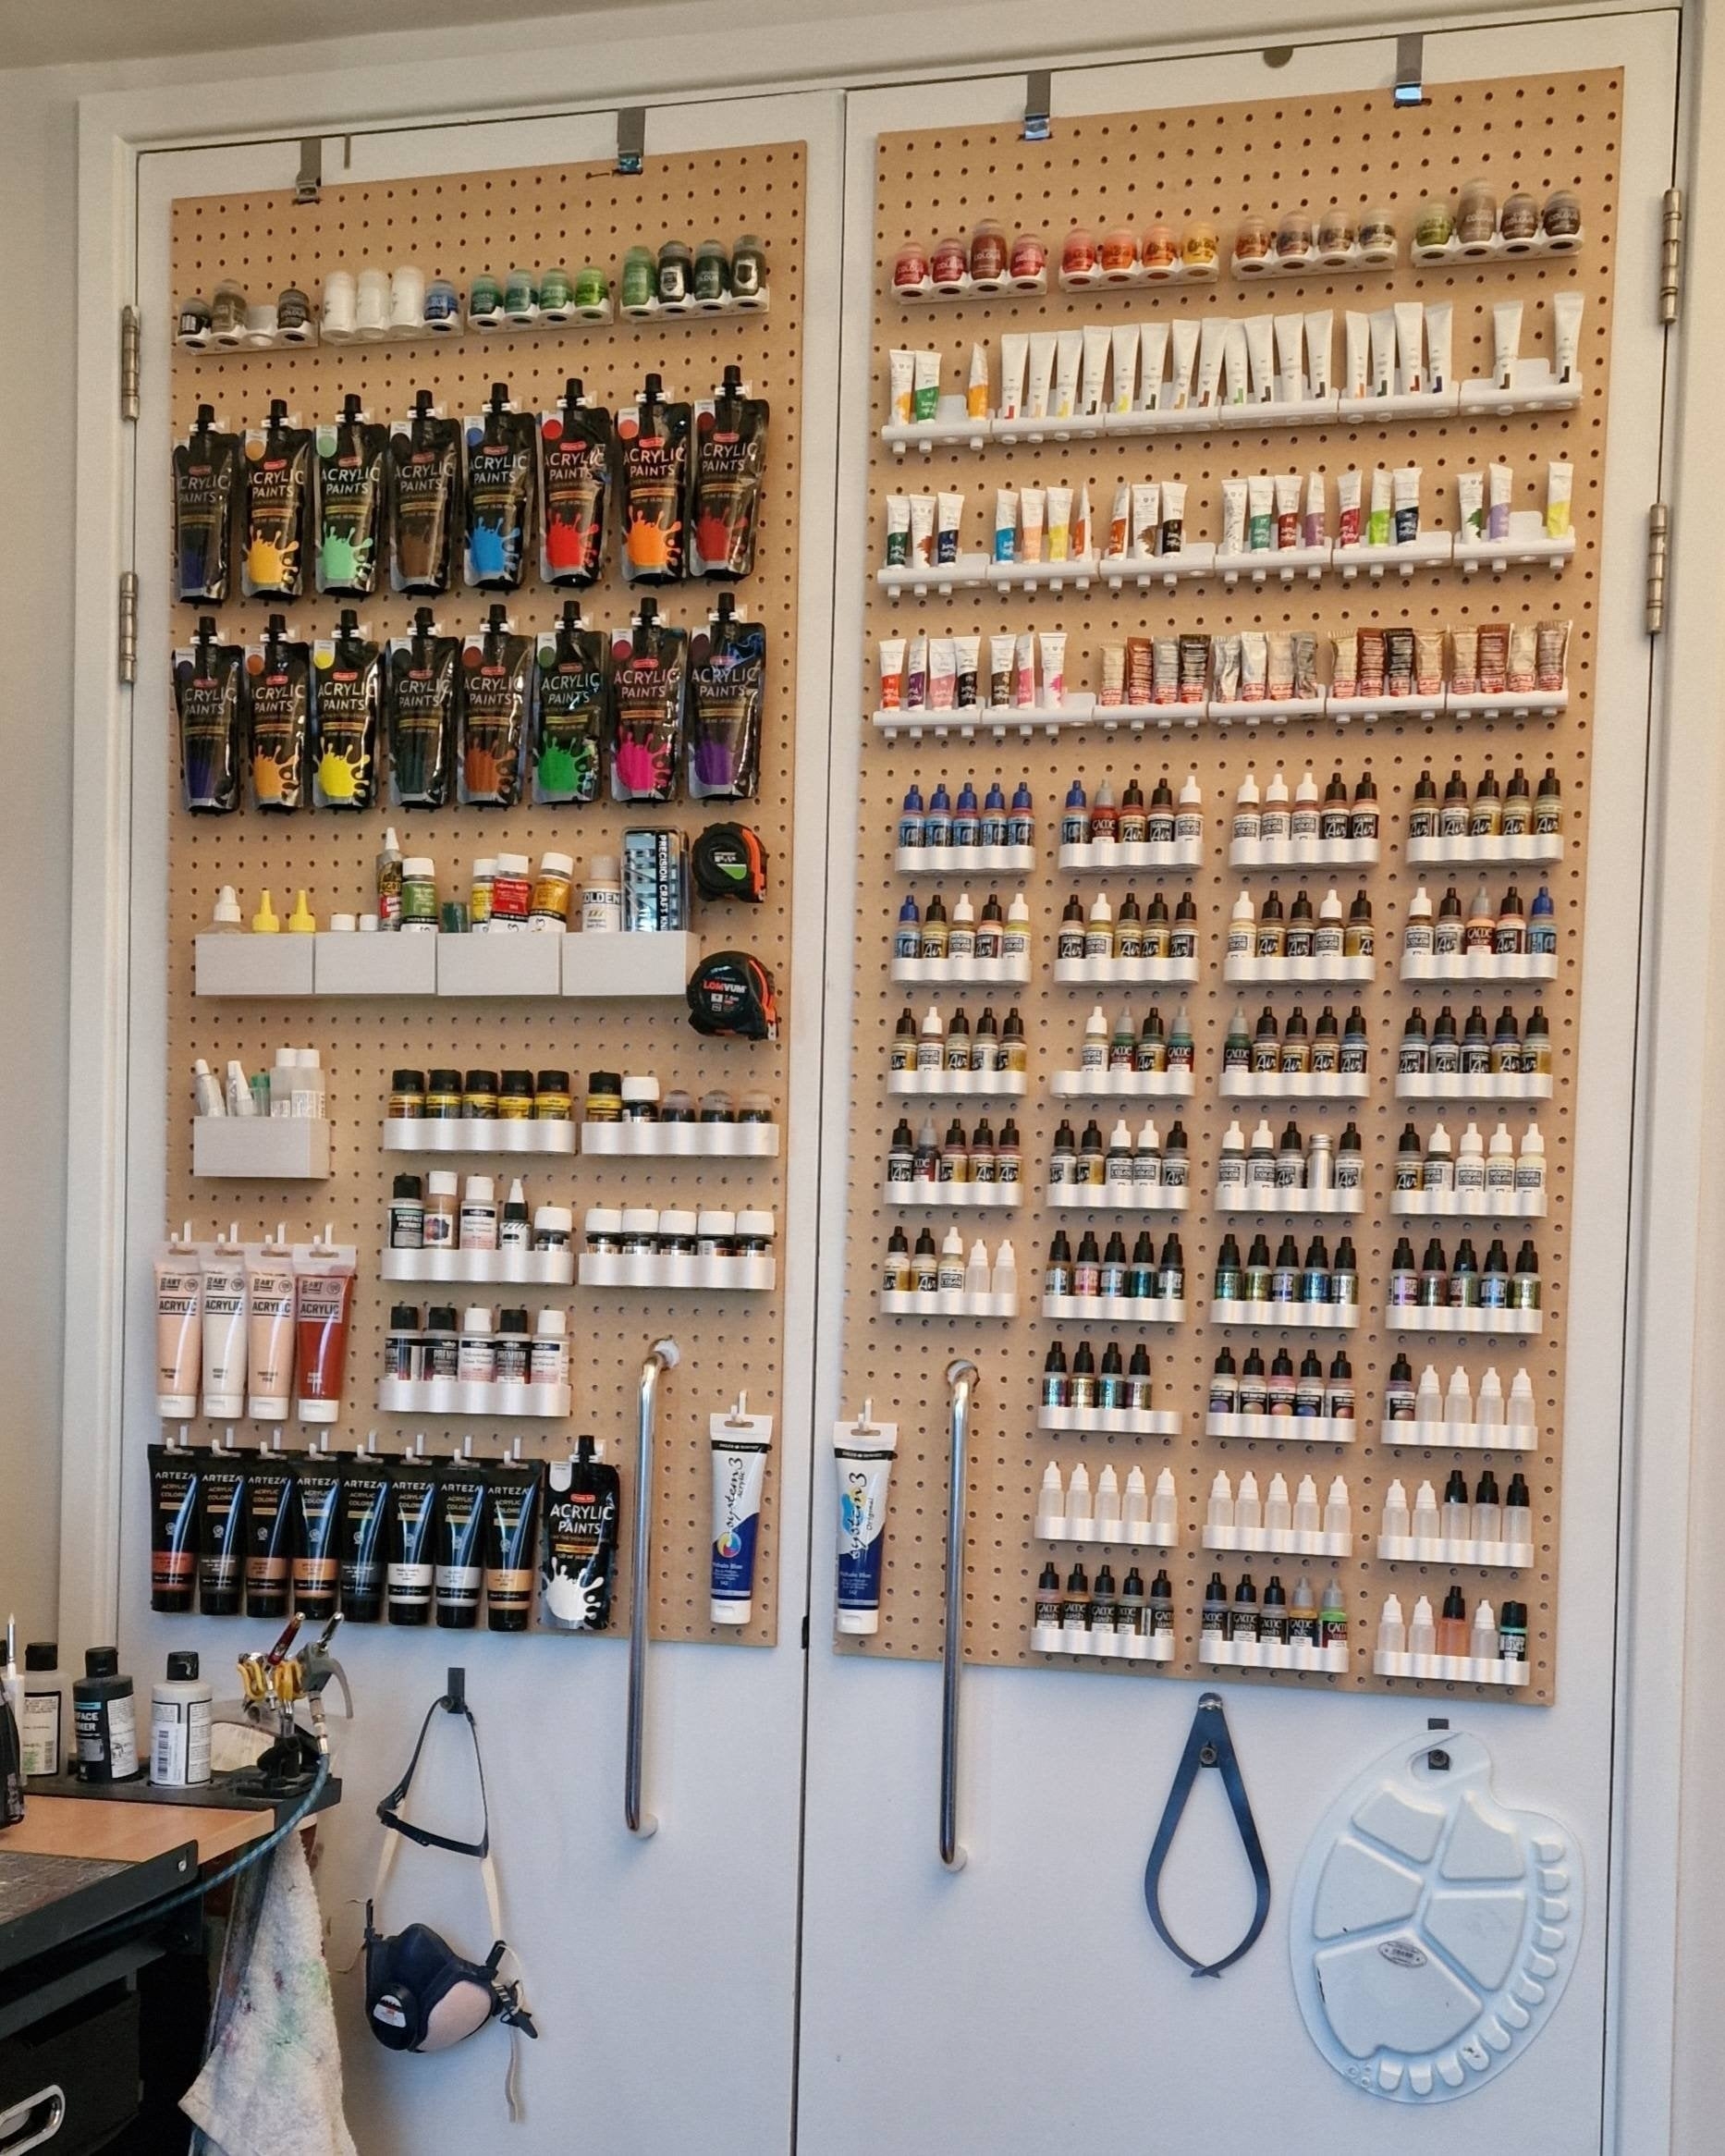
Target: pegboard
1219,162
457,227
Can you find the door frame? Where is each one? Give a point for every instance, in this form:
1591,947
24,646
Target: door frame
1675,1243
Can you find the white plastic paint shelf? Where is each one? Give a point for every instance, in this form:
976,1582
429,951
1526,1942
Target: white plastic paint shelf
1462,1436
1269,1200
1453,1669
947,1302
240,339
674,310
1302,852
1449,1549
1533,386
1301,1316
658,1141
928,292
1481,1086
929,434
965,860
1116,1197
1279,1541
934,973
1101,858
1072,426
618,1268
1306,1655
1177,1084
481,1268
1284,1429
1102,1647
1125,972
1116,1533
959,1084
969,572
1493,1324
1257,565
1031,576
1173,273
1455,250
1429,550
511,966
1190,564
966,721
1295,1085
458,1396
1112,1422
988,1198
1529,547
478,1134
268,1148
1506,968
1469,1204
1271,972
1506,702
1401,404
1253,711
1116,1309
1530,850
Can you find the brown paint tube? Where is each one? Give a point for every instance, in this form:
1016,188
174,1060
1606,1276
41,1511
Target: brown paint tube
511,1512
322,1310
270,1508
315,1570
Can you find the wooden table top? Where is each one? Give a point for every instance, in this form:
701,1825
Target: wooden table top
129,1833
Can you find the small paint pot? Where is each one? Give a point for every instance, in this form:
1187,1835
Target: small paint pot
519,294
1435,224
340,303
371,311
192,318
1160,250
641,277
1336,235
711,276
1201,247
1029,257
1293,236
555,288
591,288
1476,218
988,250
484,295
1119,251
407,296
1519,218
910,267
748,268
293,312
1252,239
261,323
227,310
1077,253
675,273
1563,217
951,263
1377,235
441,302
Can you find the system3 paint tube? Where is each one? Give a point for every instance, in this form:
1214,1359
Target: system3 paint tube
575,455
279,679
500,461
568,740
351,457
496,700
653,458
349,670
206,699
726,691
206,494
730,458
277,507
649,670
424,675
425,496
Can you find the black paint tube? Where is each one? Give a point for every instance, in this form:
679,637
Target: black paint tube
568,750
652,462
459,1532
207,678
501,461
349,713
730,459
279,681
206,501
422,689
512,1517
278,508
727,695
496,706
271,1507
425,497
649,677
317,1510
350,502
576,452
362,1537
410,1571
221,1536
175,1483
578,1551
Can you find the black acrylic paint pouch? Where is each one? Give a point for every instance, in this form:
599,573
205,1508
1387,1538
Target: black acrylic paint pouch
423,703
278,683
278,508
206,501
497,709
570,731
425,497
576,448
726,694
500,461
207,678
350,464
349,670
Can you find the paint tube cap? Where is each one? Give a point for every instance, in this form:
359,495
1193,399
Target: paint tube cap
368,923
640,1088
678,1221
640,1219
755,1224
551,1324
716,1224
315,1410
226,912
476,1318
343,924
602,1221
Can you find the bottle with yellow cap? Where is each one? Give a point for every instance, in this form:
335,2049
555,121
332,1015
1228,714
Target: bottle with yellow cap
263,921
301,921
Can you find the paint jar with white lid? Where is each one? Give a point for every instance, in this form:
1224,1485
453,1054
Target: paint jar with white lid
678,1231
603,1230
716,1232
554,1228
755,1233
641,1099
641,1230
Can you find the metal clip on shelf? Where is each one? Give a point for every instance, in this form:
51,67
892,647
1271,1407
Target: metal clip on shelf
665,1357
960,1377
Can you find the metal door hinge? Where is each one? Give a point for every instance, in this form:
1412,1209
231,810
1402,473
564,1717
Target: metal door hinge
131,343
1658,552
1038,99
1671,253
129,625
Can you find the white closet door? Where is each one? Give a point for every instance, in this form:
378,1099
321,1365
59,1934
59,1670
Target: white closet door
663,1970
1024,2003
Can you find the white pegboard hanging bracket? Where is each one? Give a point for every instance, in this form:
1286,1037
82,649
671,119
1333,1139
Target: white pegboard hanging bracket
309,185
1039,97
631,138
1409,87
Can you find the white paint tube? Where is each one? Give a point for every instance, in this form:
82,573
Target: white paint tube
1356,354
1377,522
1470,501
1032,501
1383,320
1147,520
1405,495
1014,351
740,1445
1506,341
1094,379
948,516
900,372
864,1459
1440,344
1233,517
1317,530
1560,486
898,530
925,387
1068,346
1213,344
1236,365
1053,646
1041,373
1006,522
1260,358
1260,513
1319,332
1153,360
1500,486
1347,509
1184,345
1566,321
1173,515
891,672
1121,522
1409,345
1124,345
1059,500
1081,540
922,531
1289,333
1286,508
976,395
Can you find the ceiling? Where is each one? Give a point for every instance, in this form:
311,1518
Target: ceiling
35,36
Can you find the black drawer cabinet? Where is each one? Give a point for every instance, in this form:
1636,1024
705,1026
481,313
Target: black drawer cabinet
88,2052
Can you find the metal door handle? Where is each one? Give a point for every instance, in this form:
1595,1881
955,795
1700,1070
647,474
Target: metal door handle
960,1377
665,1357
28,2125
